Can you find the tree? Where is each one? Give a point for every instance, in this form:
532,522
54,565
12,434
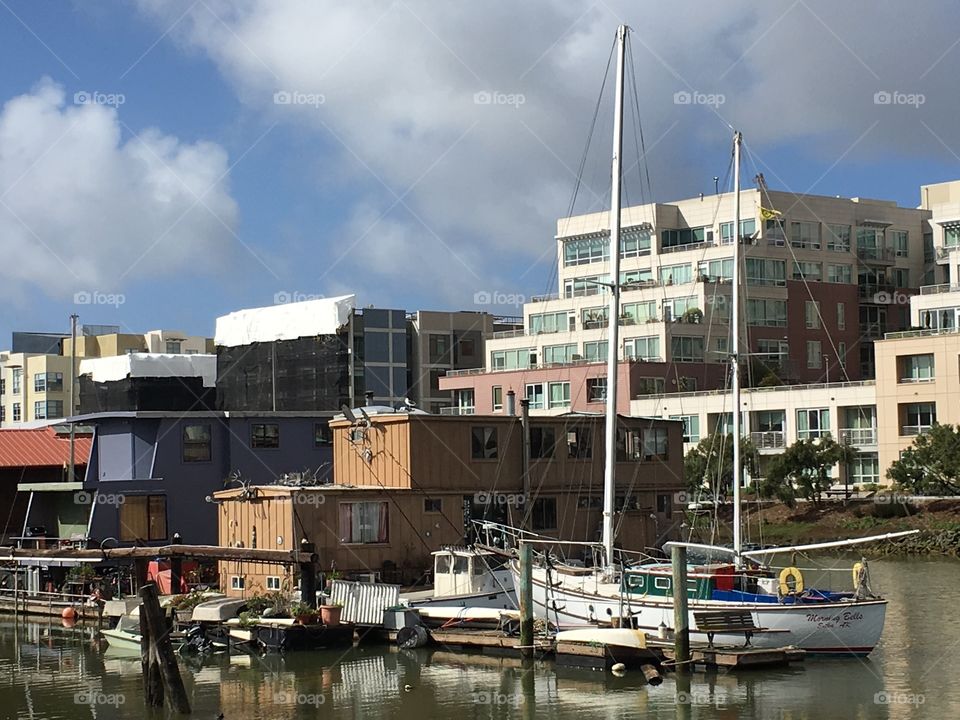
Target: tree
712,459
803,470
932,464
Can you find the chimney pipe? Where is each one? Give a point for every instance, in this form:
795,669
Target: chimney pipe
511,403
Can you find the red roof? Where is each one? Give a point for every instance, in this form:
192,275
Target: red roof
41,447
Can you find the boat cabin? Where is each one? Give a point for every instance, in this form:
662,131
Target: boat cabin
463,571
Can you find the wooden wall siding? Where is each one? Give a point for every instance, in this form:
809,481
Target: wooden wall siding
273,519
388,443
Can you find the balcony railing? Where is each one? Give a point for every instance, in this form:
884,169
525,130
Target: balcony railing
688,246
772,388
768,439
878,254
858,437
457,410
911,430
938,289
499,335
919,333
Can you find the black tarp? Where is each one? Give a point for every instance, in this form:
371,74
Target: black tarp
145,393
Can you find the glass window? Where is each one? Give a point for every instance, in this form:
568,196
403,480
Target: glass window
265,435
543,442
143,518
686,348
766,313
580,442
900,239
596,389
864,469
654,443
676,274
916,368
510,359
597,317
439,348
322,434
641,277
650,386
497,397
714,270
535,393
812,314
918,417
273,582
841,316
559,354
642,348
432,505
951,237
685,236
813,423
769,420
364,522
585,286
197,442
638,313
805,235
559,394
747,228
16,376
839,274
17,414
595,351
809,271
483,442
550,322
691,427
814,357
838,238
586,250
543,515
764,271
634,242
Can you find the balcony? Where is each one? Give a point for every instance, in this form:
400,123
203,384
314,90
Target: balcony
501,334
939,289
456,410
943,254
877,255
871,331
687,246
768,440
858,437
913,430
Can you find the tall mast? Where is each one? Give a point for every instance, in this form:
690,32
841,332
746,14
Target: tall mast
735,354
613,321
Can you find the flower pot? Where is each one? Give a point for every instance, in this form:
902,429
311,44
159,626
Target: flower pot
307,619
330,615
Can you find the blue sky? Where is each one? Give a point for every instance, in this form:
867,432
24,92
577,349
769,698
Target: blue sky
200,193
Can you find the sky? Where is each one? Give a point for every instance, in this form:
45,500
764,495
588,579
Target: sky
164,162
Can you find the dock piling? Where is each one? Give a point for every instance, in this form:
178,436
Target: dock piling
681,620
308,576
161,653
526,599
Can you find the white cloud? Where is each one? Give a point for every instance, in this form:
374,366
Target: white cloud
86,206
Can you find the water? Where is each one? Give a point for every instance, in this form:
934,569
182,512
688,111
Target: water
48,672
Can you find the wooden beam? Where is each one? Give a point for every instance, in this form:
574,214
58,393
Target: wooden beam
209,552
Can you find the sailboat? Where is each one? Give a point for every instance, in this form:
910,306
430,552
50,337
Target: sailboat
640,595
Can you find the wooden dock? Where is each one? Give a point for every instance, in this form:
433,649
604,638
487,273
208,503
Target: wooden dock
737,658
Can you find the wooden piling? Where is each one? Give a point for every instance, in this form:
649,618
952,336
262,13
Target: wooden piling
176,568
152,682
308,576
526,599
681,620
162,654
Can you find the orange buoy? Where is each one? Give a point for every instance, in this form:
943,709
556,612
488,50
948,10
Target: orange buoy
68,613
68,622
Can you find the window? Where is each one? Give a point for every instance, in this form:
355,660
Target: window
592,318
675,308
676,274
559,394
465,401
838,238
196,443
766,313
510,359
649,386
916,368
770,420
16,412
273,582
774,229
918,418
595,351
764,271
809,271
638,313
143,517
580,443
685,236
497,397
48,382
543,516
364,522
237,582
654,443
691,427
634,242
686,349
841,316
814,357
17,378
664,504
811,312
3,413
642,348
543,442
773,351
839,274
3,386
43,409
813,423
535,394
900,240
466,347
805,235
558,354
865,468
550,323
585,286
322,435
951,237
596,389
583,251
747,228
869,243
842,354
900,277
714,270
173,347
439,348
483,442
432,505
265,435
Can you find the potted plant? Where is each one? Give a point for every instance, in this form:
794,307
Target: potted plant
303,613
330,614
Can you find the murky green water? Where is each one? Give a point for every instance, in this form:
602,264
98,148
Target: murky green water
49,672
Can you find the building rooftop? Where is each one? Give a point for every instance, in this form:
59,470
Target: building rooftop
41,447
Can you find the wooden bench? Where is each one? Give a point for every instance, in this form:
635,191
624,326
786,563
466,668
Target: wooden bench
725,621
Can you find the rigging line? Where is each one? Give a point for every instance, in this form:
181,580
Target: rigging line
636,100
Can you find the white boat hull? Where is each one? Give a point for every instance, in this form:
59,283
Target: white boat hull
842,628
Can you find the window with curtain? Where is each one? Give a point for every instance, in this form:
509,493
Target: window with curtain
364,522
196,443
143,517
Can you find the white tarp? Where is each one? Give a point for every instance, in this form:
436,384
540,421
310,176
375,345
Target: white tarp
120,367
287,321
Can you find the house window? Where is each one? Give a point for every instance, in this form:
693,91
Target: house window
322,435
510,359
265,435
3,386
3,413
691,427
900,277
809,271
747,228
583,251
558,354
432,505
686,349
918,418
535,396
664,504
550,322
196,443
676,274
17,414
596,389
237,582
580,443
813,423
654,443
762,271
43,409
763,312
839,274
916,368
814,356
649,386
143,517
497,397
483,442
865,468
439,348
543,442
642,348
48,382
638,313
465,401
595,351
805,235
900,239
812,314
838,238
273,582
16,378
841,316
559,394
842,354
173,347
364,522
543,516
592,318
634,242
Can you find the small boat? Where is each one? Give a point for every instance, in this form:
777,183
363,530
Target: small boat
218,610
620,637
467,577
451,616
126,634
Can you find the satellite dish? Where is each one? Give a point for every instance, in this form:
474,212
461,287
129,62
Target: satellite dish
348,413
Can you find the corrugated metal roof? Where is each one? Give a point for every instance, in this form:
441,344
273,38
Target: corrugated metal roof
40,447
